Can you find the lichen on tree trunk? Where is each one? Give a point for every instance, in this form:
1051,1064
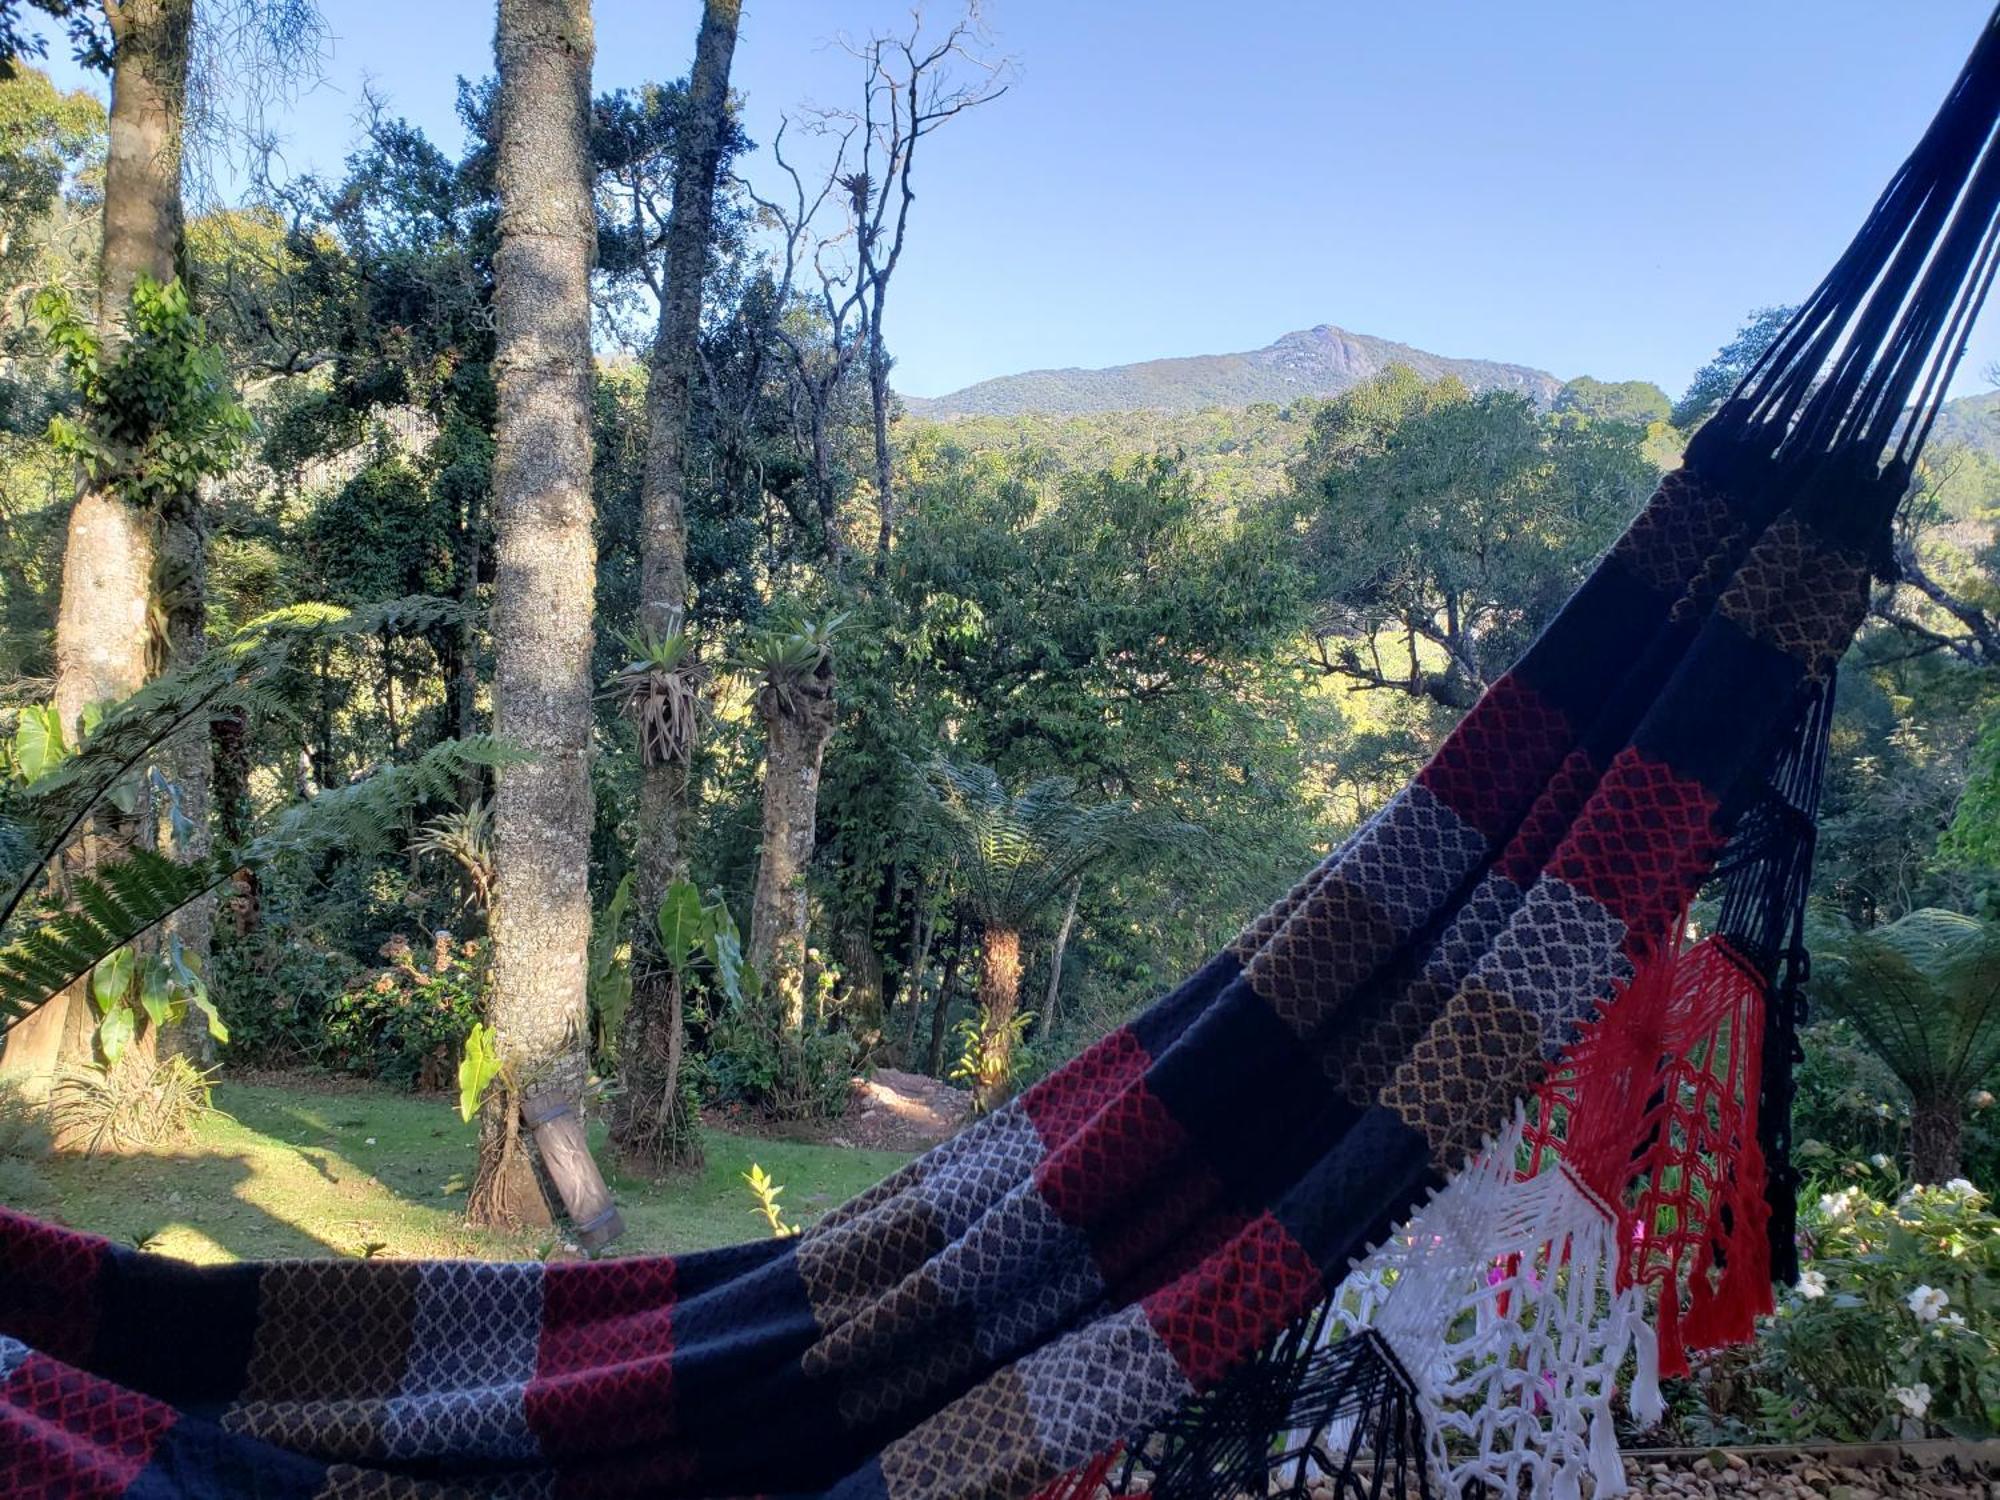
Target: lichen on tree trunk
543,584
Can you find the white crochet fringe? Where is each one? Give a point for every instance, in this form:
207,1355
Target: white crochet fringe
1500,1298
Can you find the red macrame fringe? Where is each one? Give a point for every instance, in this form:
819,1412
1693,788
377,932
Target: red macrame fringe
1082,1482
1655,1110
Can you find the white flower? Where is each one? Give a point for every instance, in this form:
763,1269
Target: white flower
1983,1099
1880,1162
1959,1187
1837,1206
1812,1285
370,1141
1928,1304
1914,1399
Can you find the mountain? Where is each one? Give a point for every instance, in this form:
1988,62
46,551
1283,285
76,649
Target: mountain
1971,420
1322,361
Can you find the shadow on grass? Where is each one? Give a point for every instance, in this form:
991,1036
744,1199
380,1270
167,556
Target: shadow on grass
285,1170
162,1200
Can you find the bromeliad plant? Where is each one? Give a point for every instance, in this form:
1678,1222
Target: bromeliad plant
465,837
787,656
56,927
662,688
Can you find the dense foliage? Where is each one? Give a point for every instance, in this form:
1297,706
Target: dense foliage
1235,629
1892,1331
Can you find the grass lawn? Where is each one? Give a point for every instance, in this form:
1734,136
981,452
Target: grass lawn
296,1169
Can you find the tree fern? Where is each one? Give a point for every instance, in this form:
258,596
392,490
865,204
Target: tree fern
1924,993
1015,853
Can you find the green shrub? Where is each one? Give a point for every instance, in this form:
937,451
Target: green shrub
1895,1325
408,1021
753,1061
275,988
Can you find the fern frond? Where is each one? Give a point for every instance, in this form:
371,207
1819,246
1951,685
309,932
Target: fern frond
1924,993
1016,852
366,816
122,899
239,675
126,897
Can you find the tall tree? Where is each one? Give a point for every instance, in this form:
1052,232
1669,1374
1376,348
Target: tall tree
106,641
791,662
651,1120
543,585
912,83
1713,382
913,86
1447,527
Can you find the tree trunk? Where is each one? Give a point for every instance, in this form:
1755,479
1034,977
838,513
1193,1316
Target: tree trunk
1052,1006
389,716
670,385
825,497
797,725
649,1061
465,647
999,1000
183,581
104,623
231,760
863,1004
940,1017
543,586
885,469
1934,1140
923,928
651,1123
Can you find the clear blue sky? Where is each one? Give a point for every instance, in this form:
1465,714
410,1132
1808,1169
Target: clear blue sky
1590,187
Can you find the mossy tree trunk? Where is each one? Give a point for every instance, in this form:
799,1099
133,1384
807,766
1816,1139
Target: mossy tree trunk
650,1122
543,586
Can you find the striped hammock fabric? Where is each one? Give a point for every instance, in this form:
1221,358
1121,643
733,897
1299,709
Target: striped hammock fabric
1471,1137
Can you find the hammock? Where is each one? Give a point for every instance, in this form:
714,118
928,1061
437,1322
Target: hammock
1466,1136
